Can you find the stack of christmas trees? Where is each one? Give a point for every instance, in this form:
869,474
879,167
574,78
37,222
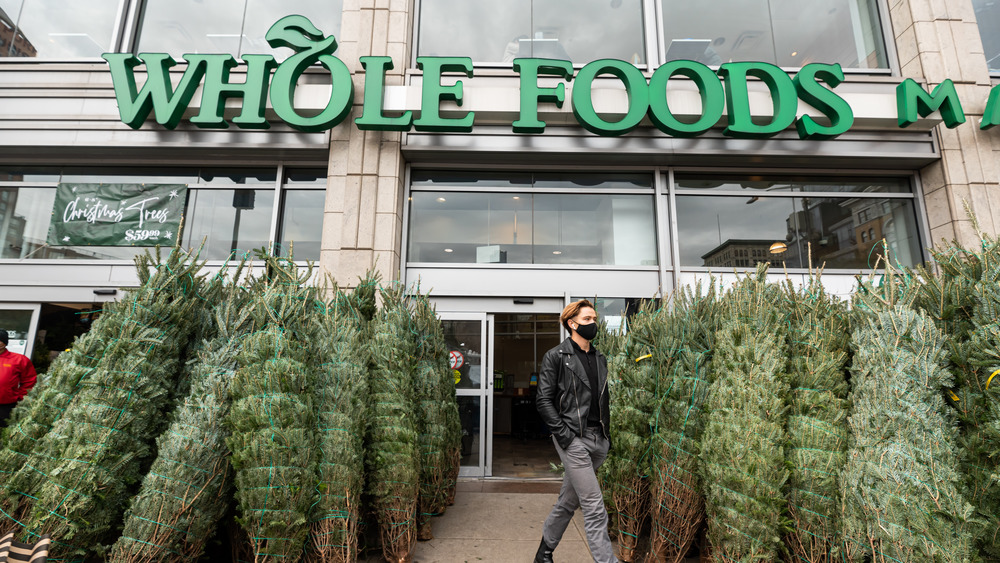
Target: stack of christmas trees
76,482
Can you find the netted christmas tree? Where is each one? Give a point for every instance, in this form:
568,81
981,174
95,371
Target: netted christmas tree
188,488
272,418
742,451
818,341
435,392
682,353
631,385
900,488
960,295
76,483
33,417
341,403
392,461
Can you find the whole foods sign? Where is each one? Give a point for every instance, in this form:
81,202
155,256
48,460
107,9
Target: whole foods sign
724,94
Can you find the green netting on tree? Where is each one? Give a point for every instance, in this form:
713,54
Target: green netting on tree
187,490
47,401
341,412
436,408
677,506
742,451
962,299
392,459
75,484
273,419
631,385
900,488
818,341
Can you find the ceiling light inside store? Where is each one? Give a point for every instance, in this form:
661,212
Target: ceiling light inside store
795,53
517,197
448,250
778,248
557,252
441,199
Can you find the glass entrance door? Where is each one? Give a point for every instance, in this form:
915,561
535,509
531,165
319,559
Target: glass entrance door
469,337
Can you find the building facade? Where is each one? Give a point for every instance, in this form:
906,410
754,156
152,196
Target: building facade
504,214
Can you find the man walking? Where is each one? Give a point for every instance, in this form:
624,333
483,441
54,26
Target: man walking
17,377
573,401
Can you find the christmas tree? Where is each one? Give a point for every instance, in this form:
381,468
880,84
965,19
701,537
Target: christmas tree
631,386
742,451
818,341
682,353
188,488
392,461
76,482
341,392
900,488
272,418
439,413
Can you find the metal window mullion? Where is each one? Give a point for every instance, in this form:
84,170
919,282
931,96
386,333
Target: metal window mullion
661,40
661,230
921,210
405,228
130,28
276,208
888,39
675,252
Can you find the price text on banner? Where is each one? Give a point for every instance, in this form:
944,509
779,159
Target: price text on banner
117,214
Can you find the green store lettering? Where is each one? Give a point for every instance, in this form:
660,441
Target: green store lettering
724,94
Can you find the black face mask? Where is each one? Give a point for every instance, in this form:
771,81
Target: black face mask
587,331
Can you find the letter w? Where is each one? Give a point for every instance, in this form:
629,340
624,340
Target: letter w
157,93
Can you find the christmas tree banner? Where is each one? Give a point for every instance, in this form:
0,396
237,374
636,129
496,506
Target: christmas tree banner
116,214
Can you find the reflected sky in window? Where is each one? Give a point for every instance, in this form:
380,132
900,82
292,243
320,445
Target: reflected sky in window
57,29
490,31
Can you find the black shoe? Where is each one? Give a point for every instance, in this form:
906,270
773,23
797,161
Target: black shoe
544,553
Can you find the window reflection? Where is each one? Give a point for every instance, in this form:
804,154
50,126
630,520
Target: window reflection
56,28
737,232
227,220
788,33
756,184
576,30
302,223
236,27
988,18
532,228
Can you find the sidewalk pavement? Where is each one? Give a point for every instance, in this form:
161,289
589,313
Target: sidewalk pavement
497,521
500,522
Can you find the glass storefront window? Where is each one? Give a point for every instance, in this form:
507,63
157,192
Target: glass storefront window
988,18
525,228
846,233
788,33
302,223
57,29
226,26
498,32
227,220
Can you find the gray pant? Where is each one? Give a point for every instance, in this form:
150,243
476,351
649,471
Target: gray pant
580,489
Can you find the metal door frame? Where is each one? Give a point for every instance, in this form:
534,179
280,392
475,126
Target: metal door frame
484,392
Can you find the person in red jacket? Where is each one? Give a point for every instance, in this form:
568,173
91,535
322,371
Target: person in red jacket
17,377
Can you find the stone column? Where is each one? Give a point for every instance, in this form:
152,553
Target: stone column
362,222
937,40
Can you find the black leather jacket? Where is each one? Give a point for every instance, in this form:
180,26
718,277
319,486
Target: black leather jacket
563,399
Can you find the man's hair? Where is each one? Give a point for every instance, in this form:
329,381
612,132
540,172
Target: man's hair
572,310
